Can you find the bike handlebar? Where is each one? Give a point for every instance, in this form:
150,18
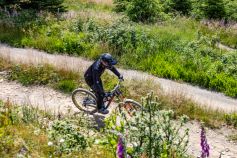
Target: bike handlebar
118,85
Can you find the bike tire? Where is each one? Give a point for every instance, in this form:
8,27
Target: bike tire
92,108
129,105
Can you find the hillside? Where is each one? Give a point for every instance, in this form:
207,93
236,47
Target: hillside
178,59
179,48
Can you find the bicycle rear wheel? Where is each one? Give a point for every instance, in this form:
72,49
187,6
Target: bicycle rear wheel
84,100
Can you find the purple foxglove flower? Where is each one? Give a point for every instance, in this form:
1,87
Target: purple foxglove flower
120,148
205,147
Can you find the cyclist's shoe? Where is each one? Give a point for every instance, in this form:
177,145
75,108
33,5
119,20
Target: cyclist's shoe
103,111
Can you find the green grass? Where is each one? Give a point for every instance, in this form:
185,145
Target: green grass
231,119
11,35
30,139
226,36
78,5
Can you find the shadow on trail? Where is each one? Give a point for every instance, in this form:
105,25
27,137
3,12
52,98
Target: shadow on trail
97,119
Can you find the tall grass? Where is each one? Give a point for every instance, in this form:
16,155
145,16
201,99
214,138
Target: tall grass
11,35
102,5
25,132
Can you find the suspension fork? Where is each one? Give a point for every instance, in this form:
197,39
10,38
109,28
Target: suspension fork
112,98
126,106
121,97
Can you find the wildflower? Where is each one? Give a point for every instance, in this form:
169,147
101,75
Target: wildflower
120,148
97,141
37,132
50,143
204,145
61,140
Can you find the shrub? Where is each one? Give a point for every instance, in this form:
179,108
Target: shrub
120,5
182,6
231,119
230,8
66,138
211,9
33,75
150,132
37,5
29,114
142,10
67,86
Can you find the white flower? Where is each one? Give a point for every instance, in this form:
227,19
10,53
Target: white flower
50,143
37,132
97,141
61,140
20,156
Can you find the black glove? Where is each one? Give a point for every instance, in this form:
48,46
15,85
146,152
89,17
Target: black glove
121,77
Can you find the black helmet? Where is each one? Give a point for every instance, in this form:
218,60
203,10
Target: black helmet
108,58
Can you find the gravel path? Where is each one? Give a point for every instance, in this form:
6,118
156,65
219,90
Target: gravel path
201,96
224,47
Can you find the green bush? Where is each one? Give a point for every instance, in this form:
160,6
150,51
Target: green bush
231,9
66,138
33,75
37,5
142,10
211,9
231,119
151,132
184,7
120,5
67,86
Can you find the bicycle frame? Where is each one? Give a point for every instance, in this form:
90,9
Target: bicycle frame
115,92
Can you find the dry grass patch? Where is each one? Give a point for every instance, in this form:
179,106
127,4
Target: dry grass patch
104,2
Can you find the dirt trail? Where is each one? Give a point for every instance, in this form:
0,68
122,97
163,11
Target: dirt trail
224,47
201,96
50,100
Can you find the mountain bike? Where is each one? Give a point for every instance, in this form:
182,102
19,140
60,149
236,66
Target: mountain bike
85,100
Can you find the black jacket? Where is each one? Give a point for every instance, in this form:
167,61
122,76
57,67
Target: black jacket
94,72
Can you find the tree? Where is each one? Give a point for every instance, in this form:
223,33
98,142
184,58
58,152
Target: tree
182,6
36,5
48,5
142,10
213,9
231,9
120,5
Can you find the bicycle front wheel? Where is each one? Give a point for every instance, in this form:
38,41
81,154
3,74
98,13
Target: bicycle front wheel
129,108
84,100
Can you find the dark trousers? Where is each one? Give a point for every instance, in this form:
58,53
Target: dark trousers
98,95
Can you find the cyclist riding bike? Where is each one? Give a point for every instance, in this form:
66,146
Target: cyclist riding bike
93,74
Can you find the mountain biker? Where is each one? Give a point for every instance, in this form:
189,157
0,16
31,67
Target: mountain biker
93,74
